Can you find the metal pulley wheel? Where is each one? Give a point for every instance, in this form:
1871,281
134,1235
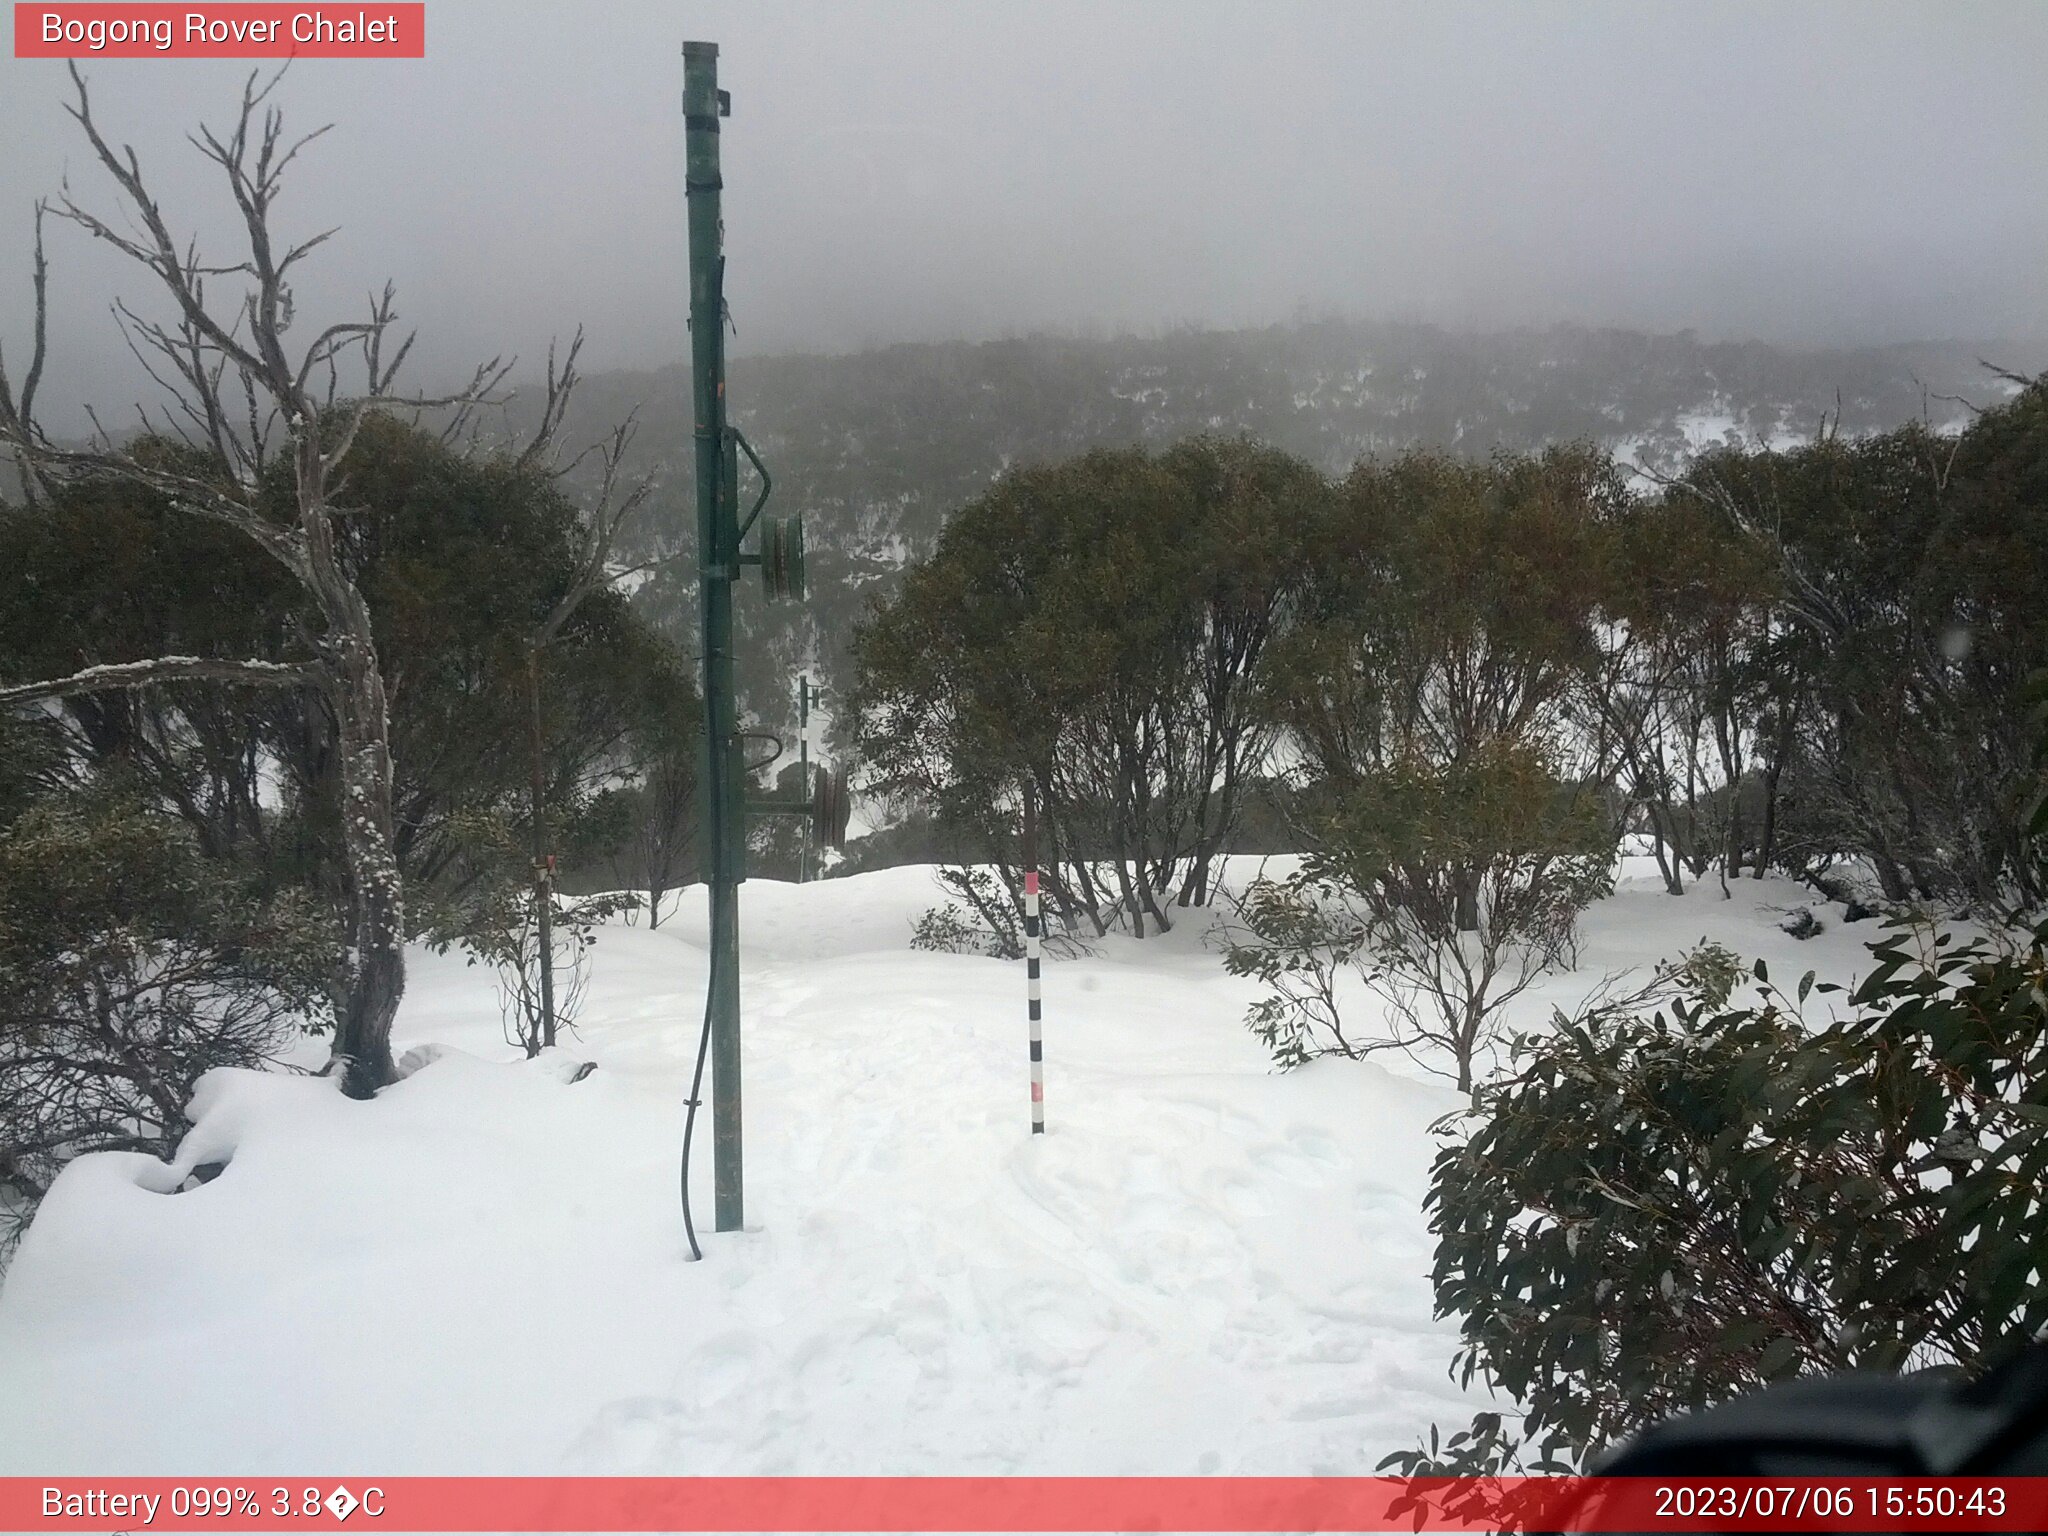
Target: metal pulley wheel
782,556
831,807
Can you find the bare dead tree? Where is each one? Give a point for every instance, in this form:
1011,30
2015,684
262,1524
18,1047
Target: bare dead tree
17,411
218,348
601,519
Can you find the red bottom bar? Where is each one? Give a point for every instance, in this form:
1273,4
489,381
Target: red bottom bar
754,1504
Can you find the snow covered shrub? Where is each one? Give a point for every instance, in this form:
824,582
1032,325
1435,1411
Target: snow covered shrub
1653,1214
1449,889
504,933
1802,924
129,966
989,929
947,930
1297,937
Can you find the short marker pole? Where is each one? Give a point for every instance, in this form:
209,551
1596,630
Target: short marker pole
1031,959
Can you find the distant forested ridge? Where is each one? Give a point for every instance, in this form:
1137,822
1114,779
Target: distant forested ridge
878,448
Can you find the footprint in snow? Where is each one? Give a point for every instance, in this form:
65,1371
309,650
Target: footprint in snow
1316,1145
719,1367
1288,1162
634,1435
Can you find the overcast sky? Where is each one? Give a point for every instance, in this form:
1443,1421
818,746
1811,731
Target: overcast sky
1809,172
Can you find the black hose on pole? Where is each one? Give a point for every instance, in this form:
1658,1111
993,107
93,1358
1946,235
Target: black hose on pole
696,1098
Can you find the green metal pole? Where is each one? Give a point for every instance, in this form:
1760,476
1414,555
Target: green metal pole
718,566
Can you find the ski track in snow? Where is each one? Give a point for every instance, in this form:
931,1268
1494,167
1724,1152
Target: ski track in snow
1203,1267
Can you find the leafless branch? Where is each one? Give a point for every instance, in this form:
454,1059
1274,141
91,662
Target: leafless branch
561,385
197,392
181,275
1972,407
383,315
481,390
610,509
2023,380
164,669
17,415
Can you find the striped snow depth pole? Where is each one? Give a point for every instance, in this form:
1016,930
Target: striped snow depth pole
1031,959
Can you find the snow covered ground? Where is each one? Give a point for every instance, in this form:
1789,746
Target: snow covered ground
1204,1267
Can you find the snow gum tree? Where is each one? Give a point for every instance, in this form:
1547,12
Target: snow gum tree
233,391
1906,571
1386,893
1687,690
1453,820
1094,633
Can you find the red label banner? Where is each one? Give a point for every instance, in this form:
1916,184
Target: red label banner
103,31
1053,1504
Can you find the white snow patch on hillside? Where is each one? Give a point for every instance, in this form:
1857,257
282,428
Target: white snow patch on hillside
1205,1266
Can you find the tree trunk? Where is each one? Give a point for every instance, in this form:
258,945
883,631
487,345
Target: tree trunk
374,971
1674,883
1731,850
1151,901
1890,880
543,872
1130,894
1781,750
1767,833
374,967
1728,741
1196,891
1091,897
1466,880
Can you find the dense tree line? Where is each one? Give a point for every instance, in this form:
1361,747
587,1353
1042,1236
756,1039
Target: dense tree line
1456,685
1883,663
456,556
1804,659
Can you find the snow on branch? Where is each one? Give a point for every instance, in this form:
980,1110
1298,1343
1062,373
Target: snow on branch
164,669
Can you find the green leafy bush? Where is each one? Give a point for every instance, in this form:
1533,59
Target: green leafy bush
985,926
1652,1214
1297,937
